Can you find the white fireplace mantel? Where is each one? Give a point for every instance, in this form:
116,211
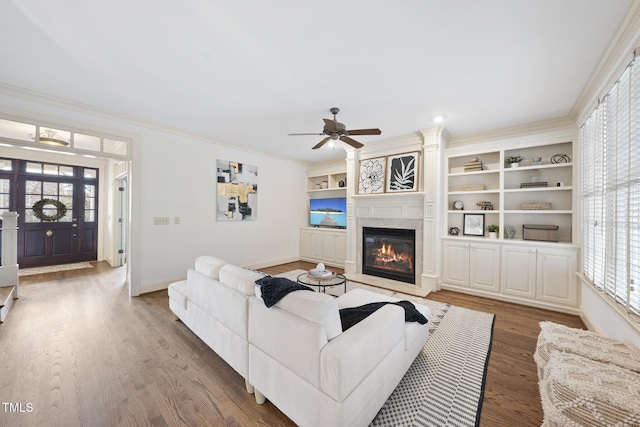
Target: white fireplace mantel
416,210
396,205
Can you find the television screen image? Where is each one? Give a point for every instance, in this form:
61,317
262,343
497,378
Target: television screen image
328,212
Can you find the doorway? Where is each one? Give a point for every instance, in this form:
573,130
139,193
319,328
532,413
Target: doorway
58,213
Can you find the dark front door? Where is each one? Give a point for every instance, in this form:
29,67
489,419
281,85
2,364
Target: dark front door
58,214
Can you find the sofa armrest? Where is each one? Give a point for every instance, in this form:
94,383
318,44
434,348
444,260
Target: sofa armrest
347,359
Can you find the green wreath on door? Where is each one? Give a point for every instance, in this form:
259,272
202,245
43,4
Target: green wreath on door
38,210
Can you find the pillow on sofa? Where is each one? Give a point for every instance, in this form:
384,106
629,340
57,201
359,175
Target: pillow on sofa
239,278
314,307
209,266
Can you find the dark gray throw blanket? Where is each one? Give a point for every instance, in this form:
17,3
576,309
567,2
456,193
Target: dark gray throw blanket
273,289
352,315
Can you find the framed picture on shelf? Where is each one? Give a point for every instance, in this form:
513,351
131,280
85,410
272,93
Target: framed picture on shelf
473,225
402,172
371,175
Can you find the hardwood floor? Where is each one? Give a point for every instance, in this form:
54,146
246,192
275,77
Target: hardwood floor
76,350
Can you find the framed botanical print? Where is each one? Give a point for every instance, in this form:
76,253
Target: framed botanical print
402,172
371,175
473,225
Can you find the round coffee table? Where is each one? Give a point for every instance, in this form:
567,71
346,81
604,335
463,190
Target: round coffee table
322,283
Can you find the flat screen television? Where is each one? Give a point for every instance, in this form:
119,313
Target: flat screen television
328,212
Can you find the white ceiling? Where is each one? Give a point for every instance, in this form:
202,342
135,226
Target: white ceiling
250,72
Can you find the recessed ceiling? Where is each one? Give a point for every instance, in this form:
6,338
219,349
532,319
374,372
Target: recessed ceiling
250,72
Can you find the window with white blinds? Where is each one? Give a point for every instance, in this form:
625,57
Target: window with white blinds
611,192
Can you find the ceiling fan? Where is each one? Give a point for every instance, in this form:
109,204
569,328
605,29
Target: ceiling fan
336,130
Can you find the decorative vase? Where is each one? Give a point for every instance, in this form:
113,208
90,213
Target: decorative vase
325,184
493,235
515,165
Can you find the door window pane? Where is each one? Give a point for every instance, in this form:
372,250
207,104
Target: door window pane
66,189
66,171
33,187
4,195
90,173
50,169
6,165
89,203
50,188
34,167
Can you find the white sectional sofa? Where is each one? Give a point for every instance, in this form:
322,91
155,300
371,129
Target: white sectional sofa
213,302
320,376
295,353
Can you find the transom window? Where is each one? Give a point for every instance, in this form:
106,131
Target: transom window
45,137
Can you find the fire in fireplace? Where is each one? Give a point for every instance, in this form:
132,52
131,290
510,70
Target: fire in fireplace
389,253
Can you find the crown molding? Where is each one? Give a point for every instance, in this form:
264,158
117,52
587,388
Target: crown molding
559,126
53,101
611,65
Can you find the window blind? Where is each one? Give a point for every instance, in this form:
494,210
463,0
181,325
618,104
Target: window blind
610,192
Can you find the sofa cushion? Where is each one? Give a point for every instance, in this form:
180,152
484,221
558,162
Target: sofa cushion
314,307
209,266
239,278
223,303
358,297
178,293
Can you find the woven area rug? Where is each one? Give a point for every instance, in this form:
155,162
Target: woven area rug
445,384
53,268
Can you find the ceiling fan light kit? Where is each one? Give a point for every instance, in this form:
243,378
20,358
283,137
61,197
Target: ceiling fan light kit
338,131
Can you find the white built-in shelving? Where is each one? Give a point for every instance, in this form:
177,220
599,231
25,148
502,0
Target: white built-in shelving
538,273
502,188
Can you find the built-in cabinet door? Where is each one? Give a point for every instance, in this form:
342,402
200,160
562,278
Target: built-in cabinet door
518,272
456,263
323,245
329,247
316,246
341,247
556,280
306,244
311,244
484,267
334,247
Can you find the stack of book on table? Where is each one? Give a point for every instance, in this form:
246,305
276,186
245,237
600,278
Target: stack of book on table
473,166
533,184
322,273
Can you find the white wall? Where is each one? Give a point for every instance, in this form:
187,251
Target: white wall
601,315
183,183
175,175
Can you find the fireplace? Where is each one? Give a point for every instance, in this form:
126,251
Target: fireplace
389,253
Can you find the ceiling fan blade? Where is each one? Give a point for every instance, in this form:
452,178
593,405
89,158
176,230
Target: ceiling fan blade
290,134
330,125
364,132
351,142
321,143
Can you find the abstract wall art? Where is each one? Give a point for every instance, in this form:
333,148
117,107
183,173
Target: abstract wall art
237,191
